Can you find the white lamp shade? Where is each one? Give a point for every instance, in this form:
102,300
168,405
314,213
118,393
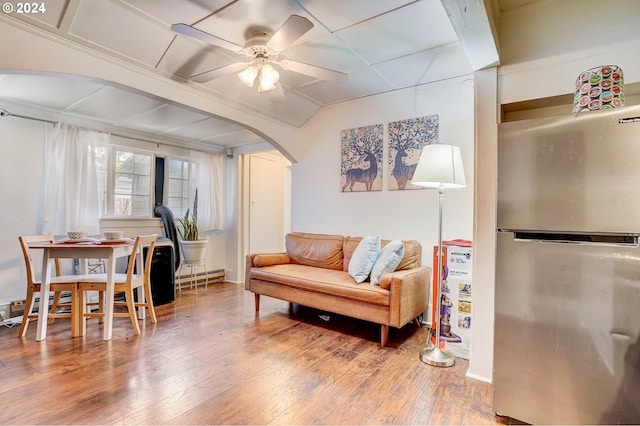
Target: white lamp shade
440,166
268,78
248,75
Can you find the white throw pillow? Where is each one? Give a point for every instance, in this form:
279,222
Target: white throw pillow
387,261
363,258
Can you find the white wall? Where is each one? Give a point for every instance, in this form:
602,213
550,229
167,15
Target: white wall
21,182
484,238
569,27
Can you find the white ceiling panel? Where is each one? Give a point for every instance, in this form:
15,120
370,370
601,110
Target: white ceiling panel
205,129
297,107
419,26
115,105
52,92
360,83
338,14
327,52
234,139
433,65
167,12
47,12
113,27
164,118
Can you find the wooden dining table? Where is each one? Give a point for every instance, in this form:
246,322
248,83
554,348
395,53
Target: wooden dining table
82,249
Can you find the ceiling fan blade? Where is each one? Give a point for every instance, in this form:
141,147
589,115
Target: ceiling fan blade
219,72
277,94
292,29
189,31
313,71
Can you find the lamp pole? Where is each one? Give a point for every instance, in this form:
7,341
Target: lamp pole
432,354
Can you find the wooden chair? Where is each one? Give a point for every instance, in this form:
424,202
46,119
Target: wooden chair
136,277
59,283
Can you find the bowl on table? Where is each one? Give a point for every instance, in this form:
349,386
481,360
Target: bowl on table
76,235
113,235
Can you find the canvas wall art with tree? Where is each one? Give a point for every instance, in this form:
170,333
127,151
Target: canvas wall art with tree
361,158
406,140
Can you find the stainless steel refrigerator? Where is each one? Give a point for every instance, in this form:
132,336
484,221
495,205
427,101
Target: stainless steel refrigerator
567,305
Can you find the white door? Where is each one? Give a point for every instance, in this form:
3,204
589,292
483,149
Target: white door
266,204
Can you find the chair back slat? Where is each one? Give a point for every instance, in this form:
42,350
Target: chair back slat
25,240
135,264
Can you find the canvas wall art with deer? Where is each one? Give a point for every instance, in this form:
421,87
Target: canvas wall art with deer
362,151
406,140
361,162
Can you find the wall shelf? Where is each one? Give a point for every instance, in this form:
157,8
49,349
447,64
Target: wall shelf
555,105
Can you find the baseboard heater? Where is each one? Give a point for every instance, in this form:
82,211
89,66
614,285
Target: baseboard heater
210,277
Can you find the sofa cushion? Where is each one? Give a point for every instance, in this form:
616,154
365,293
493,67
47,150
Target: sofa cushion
412,252
325,281
387,261
412,255
320,250
363,258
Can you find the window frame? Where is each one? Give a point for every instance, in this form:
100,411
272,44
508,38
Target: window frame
111,181
191,183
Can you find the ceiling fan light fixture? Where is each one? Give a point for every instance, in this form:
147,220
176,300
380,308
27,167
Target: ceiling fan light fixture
248,76
268,78
263,49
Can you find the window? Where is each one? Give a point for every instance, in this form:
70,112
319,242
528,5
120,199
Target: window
180,173
125,182
132,189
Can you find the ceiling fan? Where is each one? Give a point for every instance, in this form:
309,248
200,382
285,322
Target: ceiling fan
263,50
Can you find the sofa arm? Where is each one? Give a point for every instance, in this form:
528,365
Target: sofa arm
262,259
409,293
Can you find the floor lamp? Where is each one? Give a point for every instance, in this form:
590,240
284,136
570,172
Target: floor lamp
439,166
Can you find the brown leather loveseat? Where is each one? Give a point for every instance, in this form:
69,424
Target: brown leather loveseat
314,272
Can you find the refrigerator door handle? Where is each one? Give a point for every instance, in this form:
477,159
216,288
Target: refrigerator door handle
626,240
628,120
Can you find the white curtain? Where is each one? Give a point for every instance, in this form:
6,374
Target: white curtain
211,183
71,186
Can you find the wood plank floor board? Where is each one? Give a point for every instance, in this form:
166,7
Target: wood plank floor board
211,359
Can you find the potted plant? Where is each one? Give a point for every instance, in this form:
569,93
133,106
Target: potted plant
193,248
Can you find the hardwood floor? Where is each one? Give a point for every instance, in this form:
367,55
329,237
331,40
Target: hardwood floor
211,360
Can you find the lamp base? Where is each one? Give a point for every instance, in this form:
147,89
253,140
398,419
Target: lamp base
436,357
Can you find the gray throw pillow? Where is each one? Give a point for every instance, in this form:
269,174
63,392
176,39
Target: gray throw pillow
363,258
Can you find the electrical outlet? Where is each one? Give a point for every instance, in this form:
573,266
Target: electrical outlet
17,308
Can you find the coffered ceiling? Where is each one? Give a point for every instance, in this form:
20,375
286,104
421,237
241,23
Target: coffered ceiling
379,45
